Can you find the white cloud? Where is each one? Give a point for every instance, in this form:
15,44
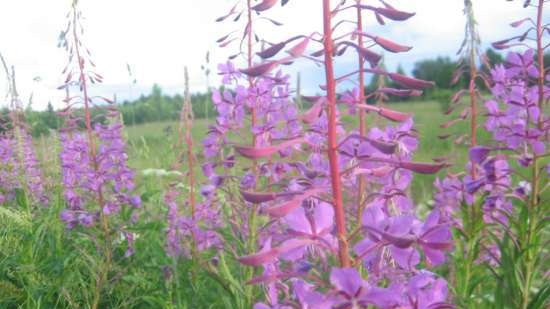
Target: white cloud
157,38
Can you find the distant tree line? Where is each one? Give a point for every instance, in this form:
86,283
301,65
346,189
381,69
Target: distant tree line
158,106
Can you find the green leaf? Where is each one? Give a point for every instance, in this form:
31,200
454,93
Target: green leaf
541,299
21,198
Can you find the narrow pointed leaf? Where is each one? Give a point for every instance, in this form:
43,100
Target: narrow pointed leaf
367,107
519,22
382,171
318,53
223,38
270,255
391,13
387,5
313,113
391,46
258,197
261,152
299,49
379,19
367,54
288,206
260,258
260,69
264,5
311,99
382,146
401,92
410,82
458,95
450,123
422,168
276,23
231,12
393,115
272,50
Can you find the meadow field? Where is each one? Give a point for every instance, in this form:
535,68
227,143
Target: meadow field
43,266
403,182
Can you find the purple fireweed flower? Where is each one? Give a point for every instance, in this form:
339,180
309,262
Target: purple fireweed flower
315,221
229,72
8,171
271,306
175,234
130,239
84,178
185,231
309,298
478,154
494,176
491,255
403,135
523,189
351,291
20,169
521,64
403,235
248,181
425,291
448,197
351,98
496,209
272,279
515,122
497,173
32,172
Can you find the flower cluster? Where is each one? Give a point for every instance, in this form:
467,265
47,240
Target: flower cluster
20,168
519,130
85,179
292,205
97,181
8,173
505,193
187,231
268,97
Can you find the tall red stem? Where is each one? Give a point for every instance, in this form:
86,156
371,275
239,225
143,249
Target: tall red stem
332,142
472,36
102,278
535,180
361,62
250,56
540,84
188,114
362,124
473,106
252,229
540,57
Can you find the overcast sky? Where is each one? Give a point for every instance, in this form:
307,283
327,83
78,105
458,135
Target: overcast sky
157,38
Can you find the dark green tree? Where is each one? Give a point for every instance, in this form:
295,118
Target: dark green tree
439,70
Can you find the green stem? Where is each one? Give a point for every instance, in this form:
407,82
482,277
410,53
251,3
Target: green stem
535,181
472,233
251,247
